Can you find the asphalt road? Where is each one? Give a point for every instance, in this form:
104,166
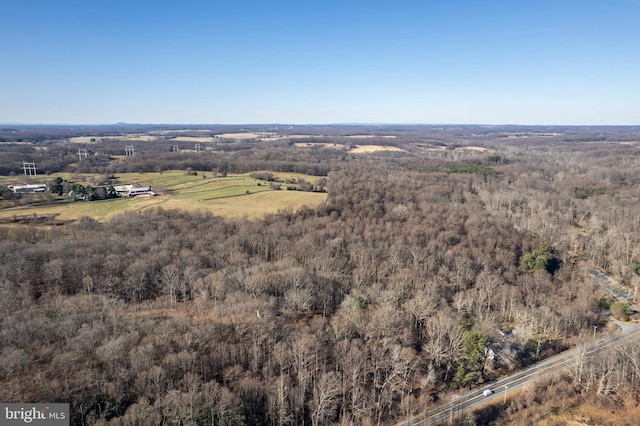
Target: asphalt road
507,385
619,292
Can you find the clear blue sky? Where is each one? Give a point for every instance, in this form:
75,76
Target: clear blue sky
307,61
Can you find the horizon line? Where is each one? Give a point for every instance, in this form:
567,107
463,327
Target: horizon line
314,124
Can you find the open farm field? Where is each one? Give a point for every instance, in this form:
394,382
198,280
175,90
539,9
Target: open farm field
474,148
192,139
252,205
367,149
83,139
231,196
144,138
359,149
228,203
176,179
298,136
99,210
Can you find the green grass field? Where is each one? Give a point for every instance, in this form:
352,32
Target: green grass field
231,196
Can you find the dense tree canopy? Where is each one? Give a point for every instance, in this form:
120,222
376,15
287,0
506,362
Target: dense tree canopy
371,306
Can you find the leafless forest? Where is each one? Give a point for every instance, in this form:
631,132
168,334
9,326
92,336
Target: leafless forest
426,272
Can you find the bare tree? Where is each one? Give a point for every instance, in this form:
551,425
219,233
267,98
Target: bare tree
170,278
326,393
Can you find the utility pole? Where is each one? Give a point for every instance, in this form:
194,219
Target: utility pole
82,153
453,408
538,350
29,168
595,327
505,394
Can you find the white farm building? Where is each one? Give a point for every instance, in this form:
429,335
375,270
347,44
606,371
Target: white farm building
36,188
132,191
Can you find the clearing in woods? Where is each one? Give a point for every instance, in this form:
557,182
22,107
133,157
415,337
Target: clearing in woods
231,196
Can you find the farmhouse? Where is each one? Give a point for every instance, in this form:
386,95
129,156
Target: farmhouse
132,191
35,188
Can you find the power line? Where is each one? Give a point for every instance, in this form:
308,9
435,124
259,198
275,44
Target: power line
29,168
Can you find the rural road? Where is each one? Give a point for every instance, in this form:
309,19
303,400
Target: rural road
505,386
622,294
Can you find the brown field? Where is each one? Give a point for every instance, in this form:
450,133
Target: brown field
367,149
193,139
83,139
445,148
474,148
145,138
251,206
261,203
